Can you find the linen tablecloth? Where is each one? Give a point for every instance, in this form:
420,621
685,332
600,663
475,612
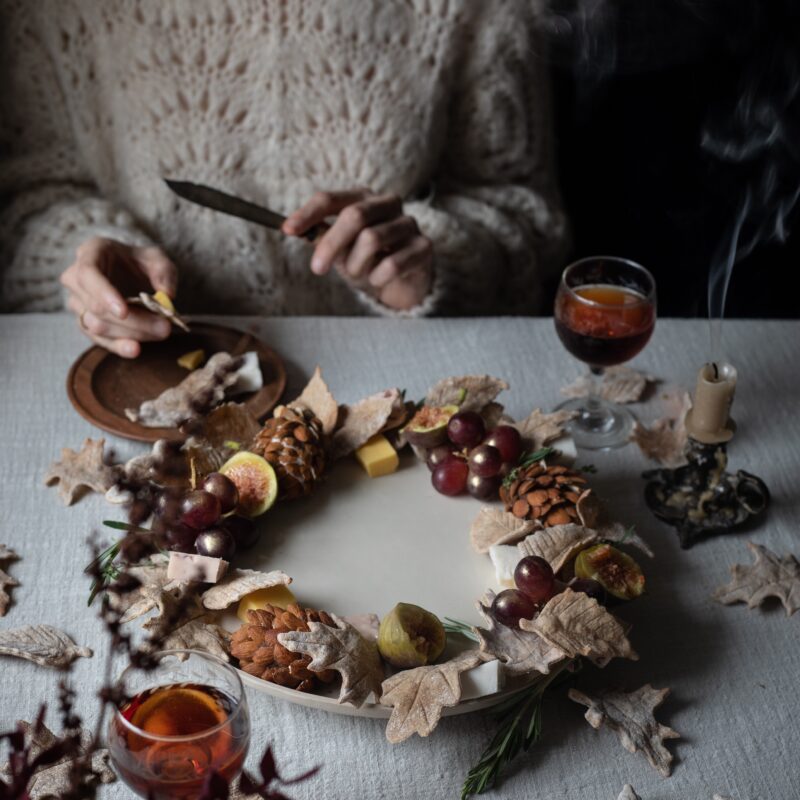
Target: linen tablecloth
734,673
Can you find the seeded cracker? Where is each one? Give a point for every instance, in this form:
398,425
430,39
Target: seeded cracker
494,526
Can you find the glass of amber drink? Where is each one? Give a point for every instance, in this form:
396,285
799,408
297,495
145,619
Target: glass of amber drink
605,313
178,723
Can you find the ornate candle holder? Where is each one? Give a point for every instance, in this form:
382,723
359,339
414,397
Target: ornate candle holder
701,498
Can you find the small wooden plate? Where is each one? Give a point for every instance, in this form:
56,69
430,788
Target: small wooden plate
101,385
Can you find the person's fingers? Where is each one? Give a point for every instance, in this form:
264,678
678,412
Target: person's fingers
127,348
417,254
140,324
320,206
377,241
101,295
349,225
160,271
407,291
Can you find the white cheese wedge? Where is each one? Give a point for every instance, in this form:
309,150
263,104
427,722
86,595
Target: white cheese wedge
505,558
486,678
248,376
185,567
567,452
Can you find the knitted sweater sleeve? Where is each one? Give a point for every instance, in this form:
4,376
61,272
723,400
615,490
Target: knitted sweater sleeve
48,203
495,218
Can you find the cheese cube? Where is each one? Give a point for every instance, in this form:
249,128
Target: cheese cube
184,567
192,360
505,558
280,595
486,678
378,457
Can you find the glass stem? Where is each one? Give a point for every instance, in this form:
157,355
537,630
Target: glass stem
596,413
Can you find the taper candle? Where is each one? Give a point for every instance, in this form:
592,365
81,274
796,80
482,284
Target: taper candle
709,421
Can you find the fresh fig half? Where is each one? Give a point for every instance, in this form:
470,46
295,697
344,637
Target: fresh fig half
410,636
614,570
428,427
255,481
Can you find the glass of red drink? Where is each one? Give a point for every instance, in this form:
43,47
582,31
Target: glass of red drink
605,313
179,722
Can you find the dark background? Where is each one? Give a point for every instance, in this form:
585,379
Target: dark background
636,86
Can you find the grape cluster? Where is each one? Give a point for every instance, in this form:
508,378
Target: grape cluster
203,520
473,459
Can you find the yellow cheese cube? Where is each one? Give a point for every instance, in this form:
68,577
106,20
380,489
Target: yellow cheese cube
192,360
378,457
280,595
164,300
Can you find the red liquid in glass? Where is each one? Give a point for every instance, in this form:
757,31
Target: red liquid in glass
167,768
607,334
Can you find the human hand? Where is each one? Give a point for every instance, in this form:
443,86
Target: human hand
372,244
103,273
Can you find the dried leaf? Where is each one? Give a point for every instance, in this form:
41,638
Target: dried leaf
469,392
494,414
665,440
539,429
628,793
417,696
152,305
42,644
558,544
53,780
496,526
79,471
579,626
618,534
238,583
342,649
197,393
318,399
618,385
520,652
632,716
769,576
360,422
6,581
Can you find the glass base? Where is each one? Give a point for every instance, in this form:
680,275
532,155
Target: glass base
600,425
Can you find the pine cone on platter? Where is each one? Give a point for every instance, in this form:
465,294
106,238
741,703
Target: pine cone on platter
547,494
292,442
256,647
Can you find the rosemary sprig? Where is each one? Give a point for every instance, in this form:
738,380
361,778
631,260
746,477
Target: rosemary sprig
459,628
520,728
525,461
589,469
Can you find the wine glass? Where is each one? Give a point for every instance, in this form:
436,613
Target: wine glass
178,722
605,313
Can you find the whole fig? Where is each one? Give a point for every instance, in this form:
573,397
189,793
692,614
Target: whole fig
410,636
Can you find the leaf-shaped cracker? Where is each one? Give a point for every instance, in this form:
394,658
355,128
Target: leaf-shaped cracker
468,392
54,779
558,544
318,399
42,644
165,465
665,440
79,471
214,438
496,526
150,302
628,793
360,422
153,582
240,582
631,715
342,649
201,633
520,652
538,428
619,385
417,696
769,576
197,393
6,581
592,514
580,626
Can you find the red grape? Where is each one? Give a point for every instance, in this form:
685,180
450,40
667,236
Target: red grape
534,576
244,531
168,504
180,538
216,543
200,510
466,429
483,488
438,455
485,461
508,441
224,489
450,478
510,606
590,587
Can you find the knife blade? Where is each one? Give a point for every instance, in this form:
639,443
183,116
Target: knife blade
230,204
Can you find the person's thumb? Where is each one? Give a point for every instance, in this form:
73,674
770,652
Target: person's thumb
159,270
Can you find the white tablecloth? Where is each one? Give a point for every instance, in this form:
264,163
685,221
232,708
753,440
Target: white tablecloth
733,672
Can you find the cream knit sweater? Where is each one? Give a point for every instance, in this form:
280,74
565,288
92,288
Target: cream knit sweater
272,100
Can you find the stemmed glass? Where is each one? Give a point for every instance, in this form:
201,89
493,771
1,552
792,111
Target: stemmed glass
179,722
605,312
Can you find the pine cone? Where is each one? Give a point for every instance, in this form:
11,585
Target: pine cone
256,647
547,494
292,442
